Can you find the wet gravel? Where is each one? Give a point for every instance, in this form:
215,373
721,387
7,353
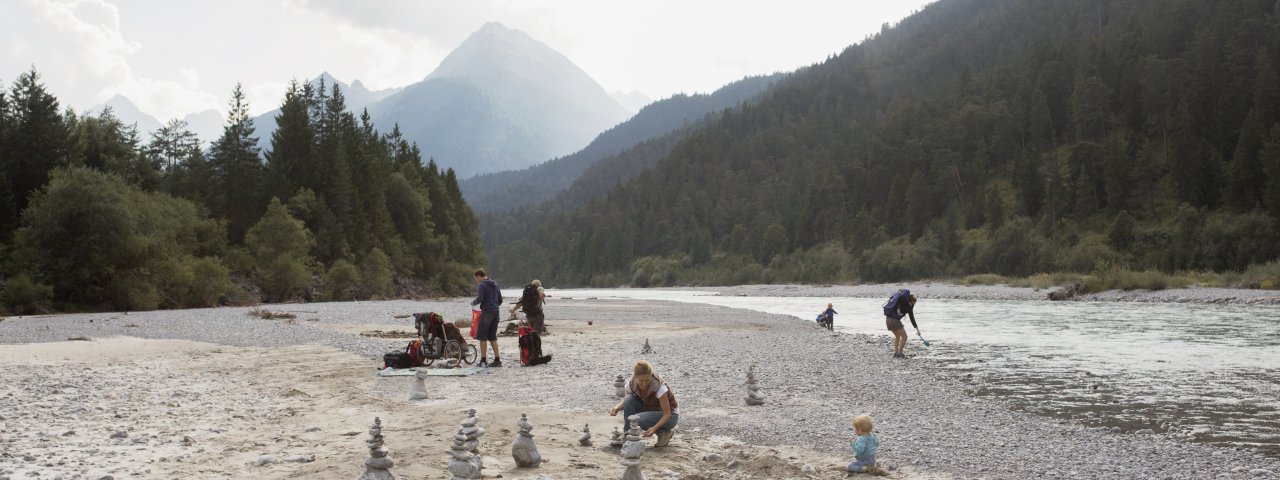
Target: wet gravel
815,382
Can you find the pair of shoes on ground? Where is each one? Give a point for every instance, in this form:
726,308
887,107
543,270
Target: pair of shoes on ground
497,363
899,355
664,437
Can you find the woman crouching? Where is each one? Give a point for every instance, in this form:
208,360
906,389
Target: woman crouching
652,400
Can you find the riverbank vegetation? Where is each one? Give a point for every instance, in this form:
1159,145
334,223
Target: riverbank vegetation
94,217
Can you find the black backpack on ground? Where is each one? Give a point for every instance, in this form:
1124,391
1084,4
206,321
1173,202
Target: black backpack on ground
529,299
531,348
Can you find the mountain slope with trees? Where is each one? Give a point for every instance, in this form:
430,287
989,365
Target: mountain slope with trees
1009,137
505,191
93,218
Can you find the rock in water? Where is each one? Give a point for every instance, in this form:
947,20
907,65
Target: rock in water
523,449
632,451
377,466
419,389
585,438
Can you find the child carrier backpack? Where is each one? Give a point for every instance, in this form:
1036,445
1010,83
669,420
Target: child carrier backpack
531,347
891,306
529,299
414,351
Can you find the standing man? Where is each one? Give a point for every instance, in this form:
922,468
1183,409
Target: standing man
902,303
488,297
531,300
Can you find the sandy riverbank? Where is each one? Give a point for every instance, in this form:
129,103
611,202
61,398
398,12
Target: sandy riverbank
214,390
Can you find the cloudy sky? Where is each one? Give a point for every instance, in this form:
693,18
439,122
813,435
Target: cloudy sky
176,57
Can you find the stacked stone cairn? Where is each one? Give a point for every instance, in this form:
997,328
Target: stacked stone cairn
754,397
632,451
523,449
378,466
465,462
616,441
618,384
585,438
419,389
646,348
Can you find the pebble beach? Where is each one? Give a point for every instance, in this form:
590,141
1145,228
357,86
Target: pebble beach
217,393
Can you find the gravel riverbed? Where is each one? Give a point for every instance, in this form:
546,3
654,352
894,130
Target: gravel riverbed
815,382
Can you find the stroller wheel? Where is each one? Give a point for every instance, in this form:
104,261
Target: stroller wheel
469,354
452,350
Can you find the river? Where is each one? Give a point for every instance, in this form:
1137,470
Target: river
1209,372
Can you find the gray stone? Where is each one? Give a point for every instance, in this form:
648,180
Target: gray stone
120,434
585,438
1259,472
419,389
308,458
266,460
618,385
632,451
377,466
523,450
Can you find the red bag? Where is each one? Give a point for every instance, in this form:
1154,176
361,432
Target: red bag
475,322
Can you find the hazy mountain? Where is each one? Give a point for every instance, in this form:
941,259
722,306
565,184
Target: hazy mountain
357,98
504,191
129,114
500,101
207,125
633,101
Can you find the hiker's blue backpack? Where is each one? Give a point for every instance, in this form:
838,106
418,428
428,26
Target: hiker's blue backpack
891,306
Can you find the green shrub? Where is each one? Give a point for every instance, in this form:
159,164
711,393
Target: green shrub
375,271
280,244
24,296
985,279
341,281
1122,278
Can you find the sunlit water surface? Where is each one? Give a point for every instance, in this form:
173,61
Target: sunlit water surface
1209,372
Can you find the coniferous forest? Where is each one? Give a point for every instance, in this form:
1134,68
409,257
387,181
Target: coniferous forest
94,217
974,137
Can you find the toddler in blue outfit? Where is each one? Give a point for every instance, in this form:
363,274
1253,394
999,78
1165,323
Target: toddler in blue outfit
864,445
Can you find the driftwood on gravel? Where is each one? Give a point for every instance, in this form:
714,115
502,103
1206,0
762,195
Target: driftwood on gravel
269,315
1068,292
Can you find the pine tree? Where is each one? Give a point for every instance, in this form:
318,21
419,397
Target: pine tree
1245,181
291,161
38,138
237,170
1269,157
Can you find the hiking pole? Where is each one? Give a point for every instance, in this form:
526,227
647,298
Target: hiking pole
926,342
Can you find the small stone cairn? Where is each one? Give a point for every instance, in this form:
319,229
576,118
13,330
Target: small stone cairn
646,348
523,449
585,438
632,451
617,385
754,397
378,466
419,389
616,441
465,462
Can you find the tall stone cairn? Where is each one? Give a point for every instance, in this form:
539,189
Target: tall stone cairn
646,348
419,389
465,461
632,451
378,466
617,386
754,397
523,449
585,438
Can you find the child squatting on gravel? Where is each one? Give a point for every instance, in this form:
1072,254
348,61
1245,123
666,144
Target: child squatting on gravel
864,447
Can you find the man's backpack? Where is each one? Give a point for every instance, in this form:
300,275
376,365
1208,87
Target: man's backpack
530,300
891,306
414,351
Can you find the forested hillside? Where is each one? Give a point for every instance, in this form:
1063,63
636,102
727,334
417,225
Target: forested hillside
93,217
516,189
1004,137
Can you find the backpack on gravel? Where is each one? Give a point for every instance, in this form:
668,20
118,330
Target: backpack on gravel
531,347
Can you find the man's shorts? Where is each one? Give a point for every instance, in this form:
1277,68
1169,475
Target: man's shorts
488,328
892,323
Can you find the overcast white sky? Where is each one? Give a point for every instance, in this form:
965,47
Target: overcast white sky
176,57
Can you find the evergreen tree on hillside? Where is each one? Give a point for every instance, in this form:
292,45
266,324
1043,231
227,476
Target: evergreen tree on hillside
237,171
38,139
8,211
291,161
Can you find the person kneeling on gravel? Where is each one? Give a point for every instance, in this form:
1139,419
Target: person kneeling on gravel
864,445
652,400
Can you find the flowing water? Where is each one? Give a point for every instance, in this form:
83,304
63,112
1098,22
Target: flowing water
1206,371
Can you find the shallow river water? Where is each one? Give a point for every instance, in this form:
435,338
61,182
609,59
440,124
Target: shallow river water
1209,372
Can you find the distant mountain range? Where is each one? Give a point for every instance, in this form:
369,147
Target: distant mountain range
500,101
504,191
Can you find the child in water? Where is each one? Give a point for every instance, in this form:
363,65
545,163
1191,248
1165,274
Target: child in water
864,447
